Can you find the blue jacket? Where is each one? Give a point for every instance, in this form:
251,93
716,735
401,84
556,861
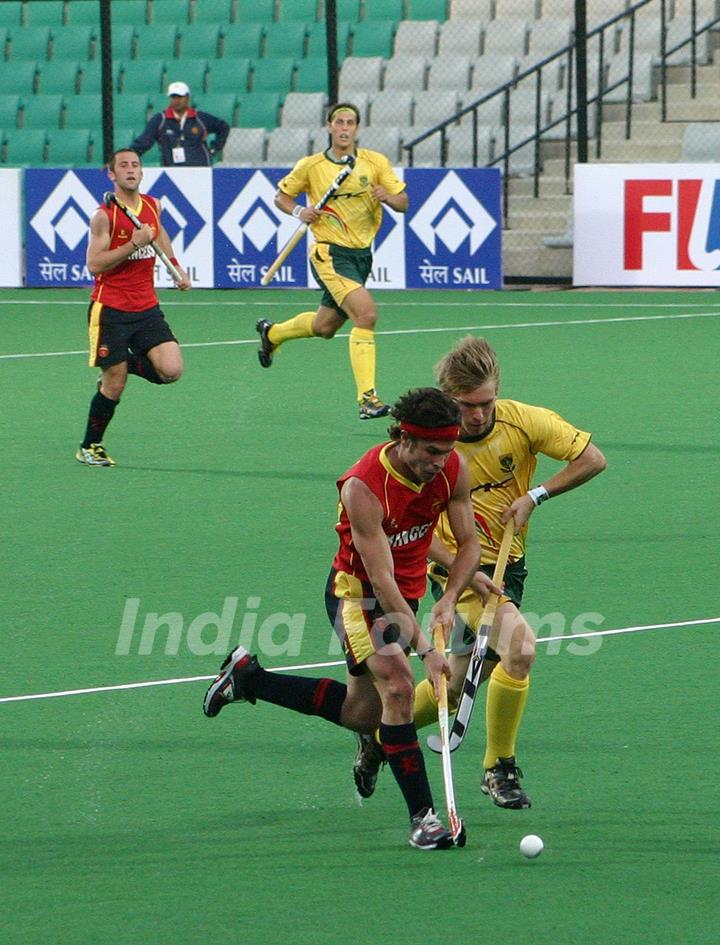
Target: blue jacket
164,128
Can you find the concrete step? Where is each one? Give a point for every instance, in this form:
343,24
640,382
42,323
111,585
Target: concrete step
541,222
534,259
632,152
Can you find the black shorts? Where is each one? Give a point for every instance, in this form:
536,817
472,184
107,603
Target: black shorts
114,333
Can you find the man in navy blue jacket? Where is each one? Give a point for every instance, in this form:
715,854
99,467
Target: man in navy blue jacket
181,132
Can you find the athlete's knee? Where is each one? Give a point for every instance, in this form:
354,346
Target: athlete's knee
399,693
518,662
366,319
169,375
324,330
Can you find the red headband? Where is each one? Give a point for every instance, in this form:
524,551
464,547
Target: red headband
451,432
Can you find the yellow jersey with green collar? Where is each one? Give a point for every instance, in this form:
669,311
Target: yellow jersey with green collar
352,216
502,463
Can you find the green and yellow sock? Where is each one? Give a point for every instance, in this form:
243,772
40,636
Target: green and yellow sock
298,327
506,700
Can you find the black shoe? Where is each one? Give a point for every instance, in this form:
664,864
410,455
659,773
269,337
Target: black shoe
428,833
502,783
265,351
368,761
371,406
231,683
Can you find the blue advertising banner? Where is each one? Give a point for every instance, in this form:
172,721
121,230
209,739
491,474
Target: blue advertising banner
453,231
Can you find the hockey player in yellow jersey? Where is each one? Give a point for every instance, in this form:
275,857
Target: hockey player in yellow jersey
341,257
500,441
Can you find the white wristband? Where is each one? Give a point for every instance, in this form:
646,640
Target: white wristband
297,210
538,495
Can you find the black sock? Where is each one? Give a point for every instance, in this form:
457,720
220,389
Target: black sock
311,696
101,412
142,366
402,750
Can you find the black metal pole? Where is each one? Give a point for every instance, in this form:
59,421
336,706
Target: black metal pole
581,79
107,88
332,57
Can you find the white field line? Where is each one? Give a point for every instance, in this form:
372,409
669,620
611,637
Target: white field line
415,331
304,666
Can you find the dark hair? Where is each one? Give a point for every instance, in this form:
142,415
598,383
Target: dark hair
343,106
425,406
111,160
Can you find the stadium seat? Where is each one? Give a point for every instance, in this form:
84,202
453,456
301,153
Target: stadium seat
41,111
285,146
284,40
59,76
373,38
360,74
391,108
384,10
83,111
522,162
433,107
242,41
169,12
124,134
91,77
460,146
505,38
134,108
245,147
476,10
224,74
427,10
124,39
385,139
25,146
643,89
133,12
201,40
508,10
9,107
255,11
316,41
18,78
405,72
146,75
70,146
348,10
297,11
700,144
29,43
449,73
460,37
303,109
311,75
272,75
74,43
191,71
44,13
221,104
416,38
547,37
490,72
11,13
259,109
212,11
160,40
427,153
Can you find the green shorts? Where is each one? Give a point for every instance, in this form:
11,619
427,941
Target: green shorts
339,270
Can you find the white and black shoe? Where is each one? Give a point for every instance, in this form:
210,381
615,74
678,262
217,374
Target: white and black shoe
428,833
502,784
230,685
369,759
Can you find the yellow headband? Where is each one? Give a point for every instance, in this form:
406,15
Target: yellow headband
342,108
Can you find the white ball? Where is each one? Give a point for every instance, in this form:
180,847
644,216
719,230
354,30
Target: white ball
531,846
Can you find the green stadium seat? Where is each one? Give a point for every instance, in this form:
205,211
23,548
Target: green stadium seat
25,146
213,11
284,40
170,12
41,111
124,39
45,13
142,75
18,78
383,10
227,74
191,71
85,14
373,38
130,12
74,43
158,40
259,109
91,77
433,10
220,104
11,13
83,111
255,11
316,44
72,146
135,109
348,10
29,42
9,107
124,134
59,77
202,40
298,11
311,75
242,40
272,75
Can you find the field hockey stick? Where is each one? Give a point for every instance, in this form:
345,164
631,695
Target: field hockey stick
110,198
457,827
472,676
349,161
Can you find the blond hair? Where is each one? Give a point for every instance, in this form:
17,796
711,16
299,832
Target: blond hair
470,364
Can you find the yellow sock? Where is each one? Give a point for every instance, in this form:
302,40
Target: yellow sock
426,707
362,359
506,700
298,327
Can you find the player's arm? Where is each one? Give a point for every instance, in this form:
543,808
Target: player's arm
290,205
100,258
365,516
584,467
398,202
163,241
